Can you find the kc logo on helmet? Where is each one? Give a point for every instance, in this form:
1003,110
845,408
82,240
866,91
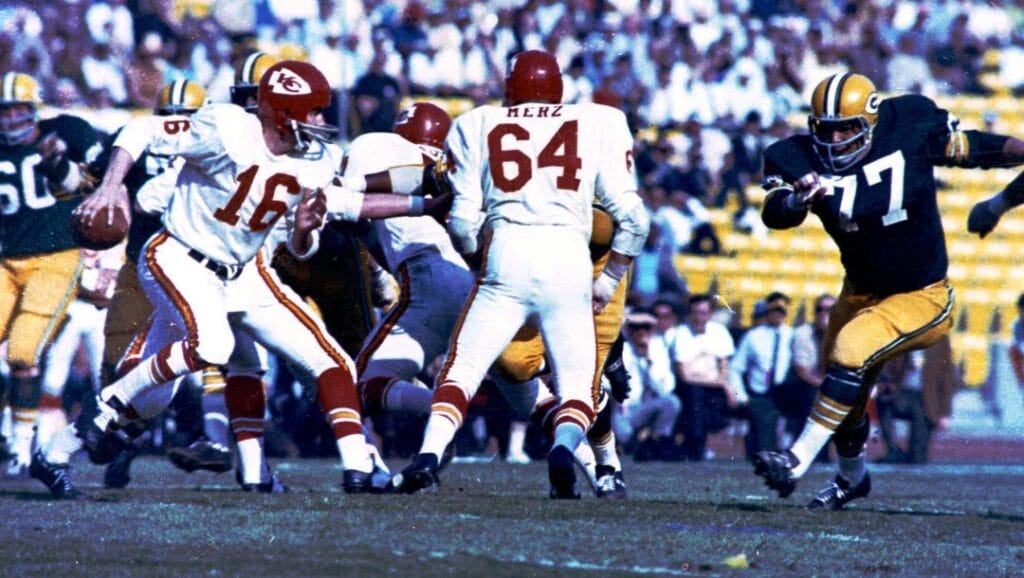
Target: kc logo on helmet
284,81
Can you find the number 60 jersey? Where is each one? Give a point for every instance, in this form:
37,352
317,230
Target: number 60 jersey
543,164
882,212
232,189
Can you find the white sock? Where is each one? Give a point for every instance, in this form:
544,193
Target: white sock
412,396
63,443
24,433
811,440
853,469
354,456
439,433
516,438
250,460
605,454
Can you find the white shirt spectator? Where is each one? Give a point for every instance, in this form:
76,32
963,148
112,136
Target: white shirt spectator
648,375
111,22
702,352
105,74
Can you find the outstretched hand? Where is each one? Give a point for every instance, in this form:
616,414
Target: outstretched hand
982,219
110,197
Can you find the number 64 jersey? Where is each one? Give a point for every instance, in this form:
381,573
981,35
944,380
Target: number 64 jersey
232,189
882,212
543,165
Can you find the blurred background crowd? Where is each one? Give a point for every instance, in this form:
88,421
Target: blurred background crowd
706,85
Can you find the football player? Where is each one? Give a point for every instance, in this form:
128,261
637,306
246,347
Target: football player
150,183
524,176
213,293
866,171
40,168
417,330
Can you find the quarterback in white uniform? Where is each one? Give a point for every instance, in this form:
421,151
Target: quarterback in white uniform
202,273
524,177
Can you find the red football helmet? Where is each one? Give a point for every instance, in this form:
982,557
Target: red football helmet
424,124
533,76
289,92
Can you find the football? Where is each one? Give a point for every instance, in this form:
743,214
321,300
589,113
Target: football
100,235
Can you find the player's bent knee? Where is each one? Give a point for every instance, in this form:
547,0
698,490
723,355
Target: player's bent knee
216,351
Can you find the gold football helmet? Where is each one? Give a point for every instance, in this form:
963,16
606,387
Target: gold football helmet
180,97
844,110
247,79
20,99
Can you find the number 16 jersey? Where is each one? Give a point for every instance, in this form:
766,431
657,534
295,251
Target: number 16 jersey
232,189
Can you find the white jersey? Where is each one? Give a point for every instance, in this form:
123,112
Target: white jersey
232,189
399,237
544,165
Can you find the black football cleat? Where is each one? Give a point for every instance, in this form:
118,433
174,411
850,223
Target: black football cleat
839,493
202,454
274,486
118,472
373,482
57,478
419,475
610,484
777,470
562,474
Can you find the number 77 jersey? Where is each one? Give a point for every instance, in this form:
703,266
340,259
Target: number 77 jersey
231,189
882,212
539,164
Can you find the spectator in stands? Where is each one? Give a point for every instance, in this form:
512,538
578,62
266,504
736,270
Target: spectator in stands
745,166
919,389
145,73
701,357
103,71
758,373
1016,349
576,87
654,271
957,63
908,71
376,99
649,413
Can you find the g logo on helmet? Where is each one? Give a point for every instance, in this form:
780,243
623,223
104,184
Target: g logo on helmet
871,106
284,81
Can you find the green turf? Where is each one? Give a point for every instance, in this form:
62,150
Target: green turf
494,519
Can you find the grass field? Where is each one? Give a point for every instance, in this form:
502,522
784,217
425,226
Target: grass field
494,519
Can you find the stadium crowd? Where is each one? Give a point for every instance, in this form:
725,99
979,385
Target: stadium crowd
706,86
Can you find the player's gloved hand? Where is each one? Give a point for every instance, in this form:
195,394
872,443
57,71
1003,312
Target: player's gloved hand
982,219
438,207
807,190
616,372
435,180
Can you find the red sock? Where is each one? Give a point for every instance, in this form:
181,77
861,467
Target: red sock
247,404
339,401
